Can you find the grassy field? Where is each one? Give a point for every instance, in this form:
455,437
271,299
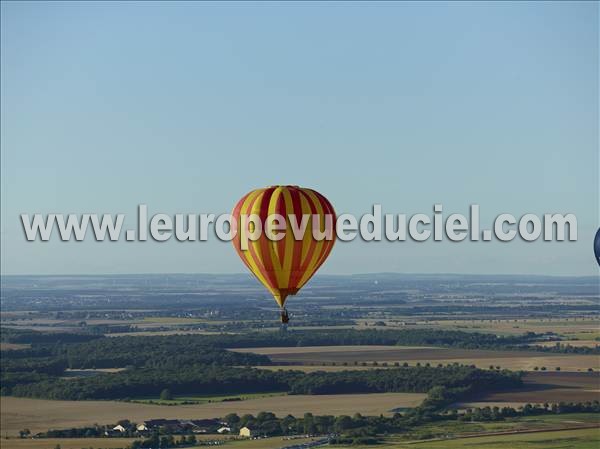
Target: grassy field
513,360
39,415
562,439
580,329
265,443
572,328
448,429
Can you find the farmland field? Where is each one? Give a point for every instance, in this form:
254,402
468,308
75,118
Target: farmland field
513,360
574,328
550,387
539,387
564,327
66,443
549,439
110,443
459,429
394,309
39,415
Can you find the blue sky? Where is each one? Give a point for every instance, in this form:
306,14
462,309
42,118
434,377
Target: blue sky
186,107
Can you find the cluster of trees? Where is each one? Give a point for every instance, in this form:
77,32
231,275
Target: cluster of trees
498,414
567,349
407,379
40,366
212,379
155,440
166,351
166,441
322,337
192,379
335,337
10,335
94,349
408,337
200,364
152,351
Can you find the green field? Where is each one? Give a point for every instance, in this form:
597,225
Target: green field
265,443
456,428
562,439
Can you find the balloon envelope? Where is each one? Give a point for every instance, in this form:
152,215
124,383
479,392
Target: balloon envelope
284,265
597,246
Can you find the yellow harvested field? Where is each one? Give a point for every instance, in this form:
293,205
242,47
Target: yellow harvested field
513,360
40,415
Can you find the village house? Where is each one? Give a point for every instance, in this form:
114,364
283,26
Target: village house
198,426
167,424
246,432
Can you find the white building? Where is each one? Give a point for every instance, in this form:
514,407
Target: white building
246,432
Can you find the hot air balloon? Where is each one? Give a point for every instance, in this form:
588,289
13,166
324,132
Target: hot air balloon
284,263
597,246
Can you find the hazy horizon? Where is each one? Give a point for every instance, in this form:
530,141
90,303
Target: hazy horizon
318,275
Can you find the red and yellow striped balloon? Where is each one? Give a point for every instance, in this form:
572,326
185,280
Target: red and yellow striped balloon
284,266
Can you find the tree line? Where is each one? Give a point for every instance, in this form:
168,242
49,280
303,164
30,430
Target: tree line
76,346
213,379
